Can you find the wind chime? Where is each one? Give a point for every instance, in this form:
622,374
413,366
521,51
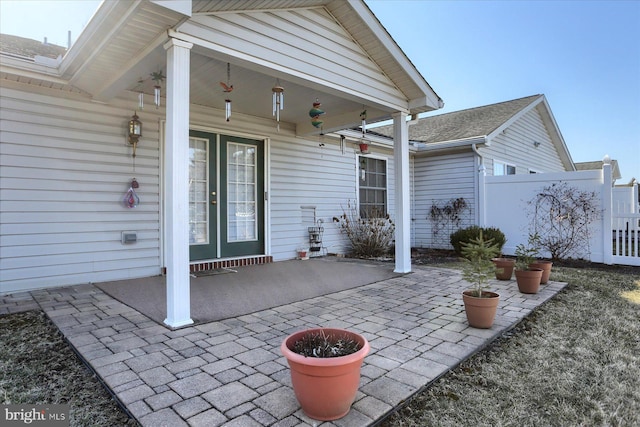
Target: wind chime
227,88
278,101
140,94
158,78
364,146
315,112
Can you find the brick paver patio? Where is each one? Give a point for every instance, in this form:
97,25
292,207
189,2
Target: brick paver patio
231,372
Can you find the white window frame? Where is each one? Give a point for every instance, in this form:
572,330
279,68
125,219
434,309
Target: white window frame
359,178
505,167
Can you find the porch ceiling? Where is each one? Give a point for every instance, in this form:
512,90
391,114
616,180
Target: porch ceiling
123,44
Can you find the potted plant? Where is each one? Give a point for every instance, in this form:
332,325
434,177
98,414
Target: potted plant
504,267
325,369
527,277
545,266
480,306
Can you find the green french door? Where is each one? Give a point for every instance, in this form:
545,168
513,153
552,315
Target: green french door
226,196
203,192
242,196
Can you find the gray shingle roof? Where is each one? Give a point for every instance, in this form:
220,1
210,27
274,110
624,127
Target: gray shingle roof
28,48
479,121
597,165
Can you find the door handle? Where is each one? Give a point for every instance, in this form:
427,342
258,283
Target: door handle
213,202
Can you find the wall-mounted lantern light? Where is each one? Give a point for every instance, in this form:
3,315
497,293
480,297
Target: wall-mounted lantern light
134,131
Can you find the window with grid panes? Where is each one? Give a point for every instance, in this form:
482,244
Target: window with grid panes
373,187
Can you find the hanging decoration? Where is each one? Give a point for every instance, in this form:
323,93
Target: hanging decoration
227,88
364,146
131,199
363,117
140,94
315,114
158,78
278,101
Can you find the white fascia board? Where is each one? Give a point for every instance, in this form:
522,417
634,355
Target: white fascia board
448,145
431,99
515,117
31,70
91,31
557,138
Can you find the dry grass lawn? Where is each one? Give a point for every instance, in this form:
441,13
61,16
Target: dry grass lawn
574,362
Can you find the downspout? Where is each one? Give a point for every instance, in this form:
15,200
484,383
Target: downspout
413,121
480,187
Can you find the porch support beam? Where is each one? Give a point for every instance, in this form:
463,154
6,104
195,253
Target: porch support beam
177,184
402,193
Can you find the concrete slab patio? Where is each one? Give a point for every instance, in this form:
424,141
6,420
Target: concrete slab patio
231,373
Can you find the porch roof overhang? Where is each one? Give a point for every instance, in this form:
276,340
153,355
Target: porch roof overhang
333,50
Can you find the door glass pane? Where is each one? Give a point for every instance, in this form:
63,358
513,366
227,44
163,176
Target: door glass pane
242,224
198,192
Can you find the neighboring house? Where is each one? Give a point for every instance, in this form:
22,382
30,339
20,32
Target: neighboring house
453,150
597,165
212,189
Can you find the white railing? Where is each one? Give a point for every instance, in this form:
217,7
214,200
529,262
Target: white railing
625,229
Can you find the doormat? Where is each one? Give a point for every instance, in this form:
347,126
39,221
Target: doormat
213,272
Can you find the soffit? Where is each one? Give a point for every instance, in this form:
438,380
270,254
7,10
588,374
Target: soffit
124,44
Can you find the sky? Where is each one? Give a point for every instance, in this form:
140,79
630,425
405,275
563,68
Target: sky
584,56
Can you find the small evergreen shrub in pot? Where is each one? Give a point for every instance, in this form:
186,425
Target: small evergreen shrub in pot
480,305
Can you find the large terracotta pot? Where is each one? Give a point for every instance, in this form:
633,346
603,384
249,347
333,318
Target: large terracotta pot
504,268
529,280
481,312
325,387
545,266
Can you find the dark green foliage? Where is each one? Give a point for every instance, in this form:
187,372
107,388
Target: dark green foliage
465,235
478,268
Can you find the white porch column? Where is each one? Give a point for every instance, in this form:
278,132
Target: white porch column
402,192
177,184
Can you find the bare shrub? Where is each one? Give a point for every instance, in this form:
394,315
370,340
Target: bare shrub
446,217
369,236
561,216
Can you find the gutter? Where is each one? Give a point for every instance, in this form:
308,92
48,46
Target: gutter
448,145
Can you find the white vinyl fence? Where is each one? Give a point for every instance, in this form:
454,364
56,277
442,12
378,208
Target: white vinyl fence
613,238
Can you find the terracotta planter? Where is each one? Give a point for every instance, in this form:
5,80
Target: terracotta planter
529,280
325,387
546,269
504,268
481,312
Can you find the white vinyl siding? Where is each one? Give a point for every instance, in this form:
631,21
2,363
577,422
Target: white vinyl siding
66,166
439,179
65,169
283,38
304,174
515,146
